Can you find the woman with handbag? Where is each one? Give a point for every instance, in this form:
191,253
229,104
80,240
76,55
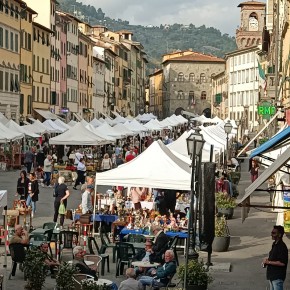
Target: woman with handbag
61,193
22,185
33,191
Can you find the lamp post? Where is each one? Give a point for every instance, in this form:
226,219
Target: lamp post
238,122
228,129
21,120
195,144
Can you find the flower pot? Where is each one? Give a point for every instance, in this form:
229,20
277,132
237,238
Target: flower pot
196,287
221,244
227,212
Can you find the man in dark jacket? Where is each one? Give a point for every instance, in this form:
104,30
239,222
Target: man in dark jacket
161,276
160,244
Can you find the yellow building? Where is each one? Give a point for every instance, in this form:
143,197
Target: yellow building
26,39
10,58
41,67
155,93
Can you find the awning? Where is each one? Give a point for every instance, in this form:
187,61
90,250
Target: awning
77,116
276,165
276,141
46,114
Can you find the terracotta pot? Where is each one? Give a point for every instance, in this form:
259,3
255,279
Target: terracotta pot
221,244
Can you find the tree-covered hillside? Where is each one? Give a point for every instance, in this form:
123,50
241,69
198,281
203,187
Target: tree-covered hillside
157,40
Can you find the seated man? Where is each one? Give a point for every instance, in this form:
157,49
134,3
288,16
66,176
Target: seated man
80,264
130,283
48,260
20,236
159,244
144,255
161,276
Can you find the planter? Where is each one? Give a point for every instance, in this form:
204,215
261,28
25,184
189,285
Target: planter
227,212
196,287
221,244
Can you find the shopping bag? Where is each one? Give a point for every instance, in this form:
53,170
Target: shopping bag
61,209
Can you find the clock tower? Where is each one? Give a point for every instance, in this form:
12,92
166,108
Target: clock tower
252,24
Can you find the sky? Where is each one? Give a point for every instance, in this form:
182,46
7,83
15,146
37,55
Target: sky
222,14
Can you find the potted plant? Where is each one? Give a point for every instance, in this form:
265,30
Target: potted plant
225,204
222,238
64,277
197,277
34,269
91,285
235,177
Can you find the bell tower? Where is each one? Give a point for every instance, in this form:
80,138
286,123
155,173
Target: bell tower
252,24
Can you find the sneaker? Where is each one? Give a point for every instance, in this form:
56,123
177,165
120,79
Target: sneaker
42,185
50,186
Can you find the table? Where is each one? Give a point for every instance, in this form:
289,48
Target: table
145,264
149,237
125,231
102,281
107,218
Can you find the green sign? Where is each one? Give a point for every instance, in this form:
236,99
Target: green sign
266,110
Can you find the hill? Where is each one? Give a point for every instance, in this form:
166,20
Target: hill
158,40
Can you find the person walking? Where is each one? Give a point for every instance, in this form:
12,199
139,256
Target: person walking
47,170
22,185
106,163
33,192
29,160
254,170
276,262
81,171
61,193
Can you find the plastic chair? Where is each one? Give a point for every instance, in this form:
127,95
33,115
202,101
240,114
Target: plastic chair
68,240
17,253
168,285
107,244
96,259
77,278
105,257
125,253
172,246
50,225
133,238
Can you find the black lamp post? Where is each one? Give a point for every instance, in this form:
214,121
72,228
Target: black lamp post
228,129
21,120
195,144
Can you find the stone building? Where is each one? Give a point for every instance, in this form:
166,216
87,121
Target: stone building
187,81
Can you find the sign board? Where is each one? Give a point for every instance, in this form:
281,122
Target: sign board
266,110
286,199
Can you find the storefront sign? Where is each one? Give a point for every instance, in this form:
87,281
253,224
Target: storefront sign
266,110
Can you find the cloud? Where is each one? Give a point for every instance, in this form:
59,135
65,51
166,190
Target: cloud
222,14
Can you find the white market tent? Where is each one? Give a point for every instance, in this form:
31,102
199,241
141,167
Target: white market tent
122,129
135,126
77,135
109,121
13,126
9,135
110,131
3,119
71,123
181,119
52,127
119,119
130,118
100,133
61,124
153,125
167,171
37,127
96,123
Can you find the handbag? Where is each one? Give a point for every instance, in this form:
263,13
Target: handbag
61,209
85,218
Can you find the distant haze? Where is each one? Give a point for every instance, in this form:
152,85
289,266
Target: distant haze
222,14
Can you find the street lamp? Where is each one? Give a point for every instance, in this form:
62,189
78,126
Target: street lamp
21,120
228,129
238,123
195,144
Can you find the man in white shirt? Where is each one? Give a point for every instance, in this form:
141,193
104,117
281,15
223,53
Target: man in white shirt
78,157
81,171
87,199
47,168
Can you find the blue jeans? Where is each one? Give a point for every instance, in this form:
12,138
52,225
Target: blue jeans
32,203
276,284
148,281
46,180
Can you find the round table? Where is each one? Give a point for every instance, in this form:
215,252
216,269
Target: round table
102,282
145,264
89,263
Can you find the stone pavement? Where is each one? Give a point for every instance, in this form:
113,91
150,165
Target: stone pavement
250,242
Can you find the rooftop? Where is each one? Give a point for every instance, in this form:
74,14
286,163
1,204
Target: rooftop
252,3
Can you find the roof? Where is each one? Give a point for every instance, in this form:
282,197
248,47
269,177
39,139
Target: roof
42,27
124,31
240,51
158,71
251,3
196,57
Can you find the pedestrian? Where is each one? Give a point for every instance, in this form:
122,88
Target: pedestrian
40,157
29,160
48,162
78,157
87,206
277,261
33,192
106,163
254,170
119,160
81,171
22,185
61,193
130,283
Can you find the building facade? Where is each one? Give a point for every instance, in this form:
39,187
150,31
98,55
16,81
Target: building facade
155,93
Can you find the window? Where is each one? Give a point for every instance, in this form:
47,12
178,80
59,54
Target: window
203,95
6,6
11,41
47,65
6,81
202,78
191,100
28,41
16,12
191,77
33,62
37,63
1,37
180,77
180,95
1,6
1,80
11,10
6,39
16,42
42,67
42,94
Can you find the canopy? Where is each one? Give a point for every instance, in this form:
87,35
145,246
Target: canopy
135,126
101,134
37,127
96,123
8,135
153,125
3,119
122,129
119,119
77,135
52,127
46,114
275,142
106,129
13,126
71,123
156,167
61,124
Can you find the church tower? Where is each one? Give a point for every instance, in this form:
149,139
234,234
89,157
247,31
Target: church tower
252,23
